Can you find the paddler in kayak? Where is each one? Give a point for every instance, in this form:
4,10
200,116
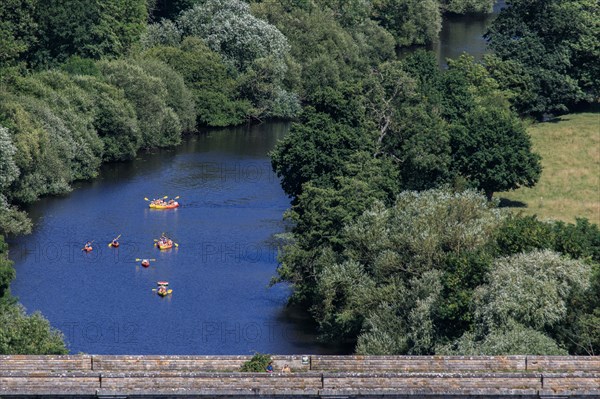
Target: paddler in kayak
87,247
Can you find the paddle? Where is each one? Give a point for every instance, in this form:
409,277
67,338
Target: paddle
114,239
149,260
146,199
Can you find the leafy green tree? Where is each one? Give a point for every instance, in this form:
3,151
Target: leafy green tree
7,271
21,334
163,33
228,27
42,169
410,21
314,150
258,363
468,6
65,112
8,168
18,29
512,339
91,29
214,90
114,118
493,151
159,124
531,289
179,98
549,52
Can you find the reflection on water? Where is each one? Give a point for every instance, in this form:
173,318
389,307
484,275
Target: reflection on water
462,33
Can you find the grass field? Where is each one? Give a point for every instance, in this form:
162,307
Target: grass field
570,183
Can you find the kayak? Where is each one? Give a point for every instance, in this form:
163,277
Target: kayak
164,292
168,245
145,263
169,206
113,244
87,249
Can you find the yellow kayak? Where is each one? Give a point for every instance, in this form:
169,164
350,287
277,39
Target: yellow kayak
169,206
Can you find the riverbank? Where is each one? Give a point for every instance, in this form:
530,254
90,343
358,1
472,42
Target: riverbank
570,183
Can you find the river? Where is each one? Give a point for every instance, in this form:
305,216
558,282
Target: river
232,207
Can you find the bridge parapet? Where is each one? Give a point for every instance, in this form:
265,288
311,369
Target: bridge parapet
313,377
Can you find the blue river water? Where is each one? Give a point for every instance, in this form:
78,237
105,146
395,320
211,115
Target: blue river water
232,207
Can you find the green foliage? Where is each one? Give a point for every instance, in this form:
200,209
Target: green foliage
76,65
548,52
513,339
114,119
159,124
228,27
163,33
529,297
213,89
18,29
531,289
521,233
579,240
179,98
314,149
8,168
7,272
42,169
468,6
13,221
90,29
410,21
493,151
21,334
258,363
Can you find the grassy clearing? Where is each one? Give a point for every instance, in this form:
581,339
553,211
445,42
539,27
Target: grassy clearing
570,183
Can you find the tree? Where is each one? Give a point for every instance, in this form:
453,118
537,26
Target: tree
531,289
91,29
468,6
410,21
28,335
18,29
114,118
228,27
552,53
493,151
8,168
159,124
314,150
213,89
170,9
163,33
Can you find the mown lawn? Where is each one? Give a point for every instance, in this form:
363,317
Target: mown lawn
570,183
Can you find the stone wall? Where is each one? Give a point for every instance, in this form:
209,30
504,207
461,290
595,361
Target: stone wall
313,376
